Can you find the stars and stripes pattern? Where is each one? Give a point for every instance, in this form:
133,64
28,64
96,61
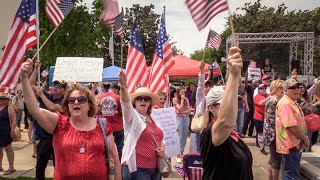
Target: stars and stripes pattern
111,16
22,36
57,10
215,65
213,40
195,173
202,11
136,69
162,61
179,170
118,27
45,73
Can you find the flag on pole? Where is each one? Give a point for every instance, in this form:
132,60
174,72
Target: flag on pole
136,62
45,73
215,65
118,27
162,61
57,10
213,40
111,16
202,11
22,36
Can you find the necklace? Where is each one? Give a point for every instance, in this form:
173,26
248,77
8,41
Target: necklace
82,149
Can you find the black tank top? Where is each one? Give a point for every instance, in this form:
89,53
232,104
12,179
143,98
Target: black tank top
4,121
229,161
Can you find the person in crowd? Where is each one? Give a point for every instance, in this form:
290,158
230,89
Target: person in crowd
7,127
182,106
267,68
188,93
291,130
305,104
242,108
143,136
224,154
265,80
315,100
248,118
17,104
111,110
76,153
269,128
163,99
26,117
259,106
201,92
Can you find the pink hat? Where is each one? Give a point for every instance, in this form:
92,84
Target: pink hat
265,77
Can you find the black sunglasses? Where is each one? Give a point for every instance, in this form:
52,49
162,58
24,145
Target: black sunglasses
81,100
145,98
59,86
293,87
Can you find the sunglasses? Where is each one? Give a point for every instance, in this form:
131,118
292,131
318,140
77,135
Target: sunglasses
163,99
301,87
59,86
81,100
293,87
145,98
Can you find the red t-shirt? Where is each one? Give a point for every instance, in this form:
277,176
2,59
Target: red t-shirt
146,154
258,110
70,163
111,110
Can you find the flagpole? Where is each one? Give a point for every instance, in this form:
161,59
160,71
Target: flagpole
121,55
38,38
44,43
167,75
112,48
232,26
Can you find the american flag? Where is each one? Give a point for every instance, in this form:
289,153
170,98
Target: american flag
22,36
162,61
195,173
179,170
136,62
45,73
213,40
202,11
57,10
118,27
215,65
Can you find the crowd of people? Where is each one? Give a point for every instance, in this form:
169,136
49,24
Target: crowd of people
66,124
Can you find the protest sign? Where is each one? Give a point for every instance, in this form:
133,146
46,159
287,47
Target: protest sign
254,74
78,69
167,119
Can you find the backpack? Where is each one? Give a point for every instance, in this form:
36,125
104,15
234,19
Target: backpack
192,166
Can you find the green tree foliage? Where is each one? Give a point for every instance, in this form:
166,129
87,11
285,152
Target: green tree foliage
256,18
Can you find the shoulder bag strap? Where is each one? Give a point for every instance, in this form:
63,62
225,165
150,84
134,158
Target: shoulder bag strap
103,124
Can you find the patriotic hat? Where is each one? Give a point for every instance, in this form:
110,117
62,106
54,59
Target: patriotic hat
144,91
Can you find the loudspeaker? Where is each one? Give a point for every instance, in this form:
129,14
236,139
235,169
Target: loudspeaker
295,64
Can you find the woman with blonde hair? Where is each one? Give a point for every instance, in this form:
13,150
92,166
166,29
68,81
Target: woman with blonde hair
269,128
223,152
78,138
7,127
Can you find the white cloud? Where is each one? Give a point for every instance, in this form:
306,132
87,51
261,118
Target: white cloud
181,26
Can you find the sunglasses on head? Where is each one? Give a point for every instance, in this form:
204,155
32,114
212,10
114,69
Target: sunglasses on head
293,87
81,100
145,98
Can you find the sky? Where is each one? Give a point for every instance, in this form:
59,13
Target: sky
181,27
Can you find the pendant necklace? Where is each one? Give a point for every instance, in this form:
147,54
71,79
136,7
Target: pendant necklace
82,150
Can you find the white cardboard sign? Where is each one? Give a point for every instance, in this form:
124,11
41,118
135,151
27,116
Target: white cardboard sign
254,74
78,69
168,122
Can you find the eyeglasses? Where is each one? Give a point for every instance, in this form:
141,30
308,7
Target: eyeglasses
81,100
301,87
163,99
145,98
293,87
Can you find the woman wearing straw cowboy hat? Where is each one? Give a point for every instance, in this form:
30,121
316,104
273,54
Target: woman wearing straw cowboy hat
7,127
143,142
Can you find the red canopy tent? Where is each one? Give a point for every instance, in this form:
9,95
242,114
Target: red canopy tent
186,68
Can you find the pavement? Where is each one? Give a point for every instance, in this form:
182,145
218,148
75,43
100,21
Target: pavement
25,164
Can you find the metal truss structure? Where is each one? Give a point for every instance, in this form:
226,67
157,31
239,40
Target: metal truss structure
293,38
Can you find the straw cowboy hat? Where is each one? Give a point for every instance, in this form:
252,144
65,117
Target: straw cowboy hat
4,95
144,91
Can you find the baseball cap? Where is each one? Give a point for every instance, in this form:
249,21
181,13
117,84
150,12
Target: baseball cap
115,86
265,77
63,83
215,95
262,86
288,83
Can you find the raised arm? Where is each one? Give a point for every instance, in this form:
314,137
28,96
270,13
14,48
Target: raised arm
226,120
33,76
50,105
47,120
127,108
201,82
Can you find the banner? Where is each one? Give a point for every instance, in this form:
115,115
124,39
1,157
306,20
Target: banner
78,69
167,119
254,74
